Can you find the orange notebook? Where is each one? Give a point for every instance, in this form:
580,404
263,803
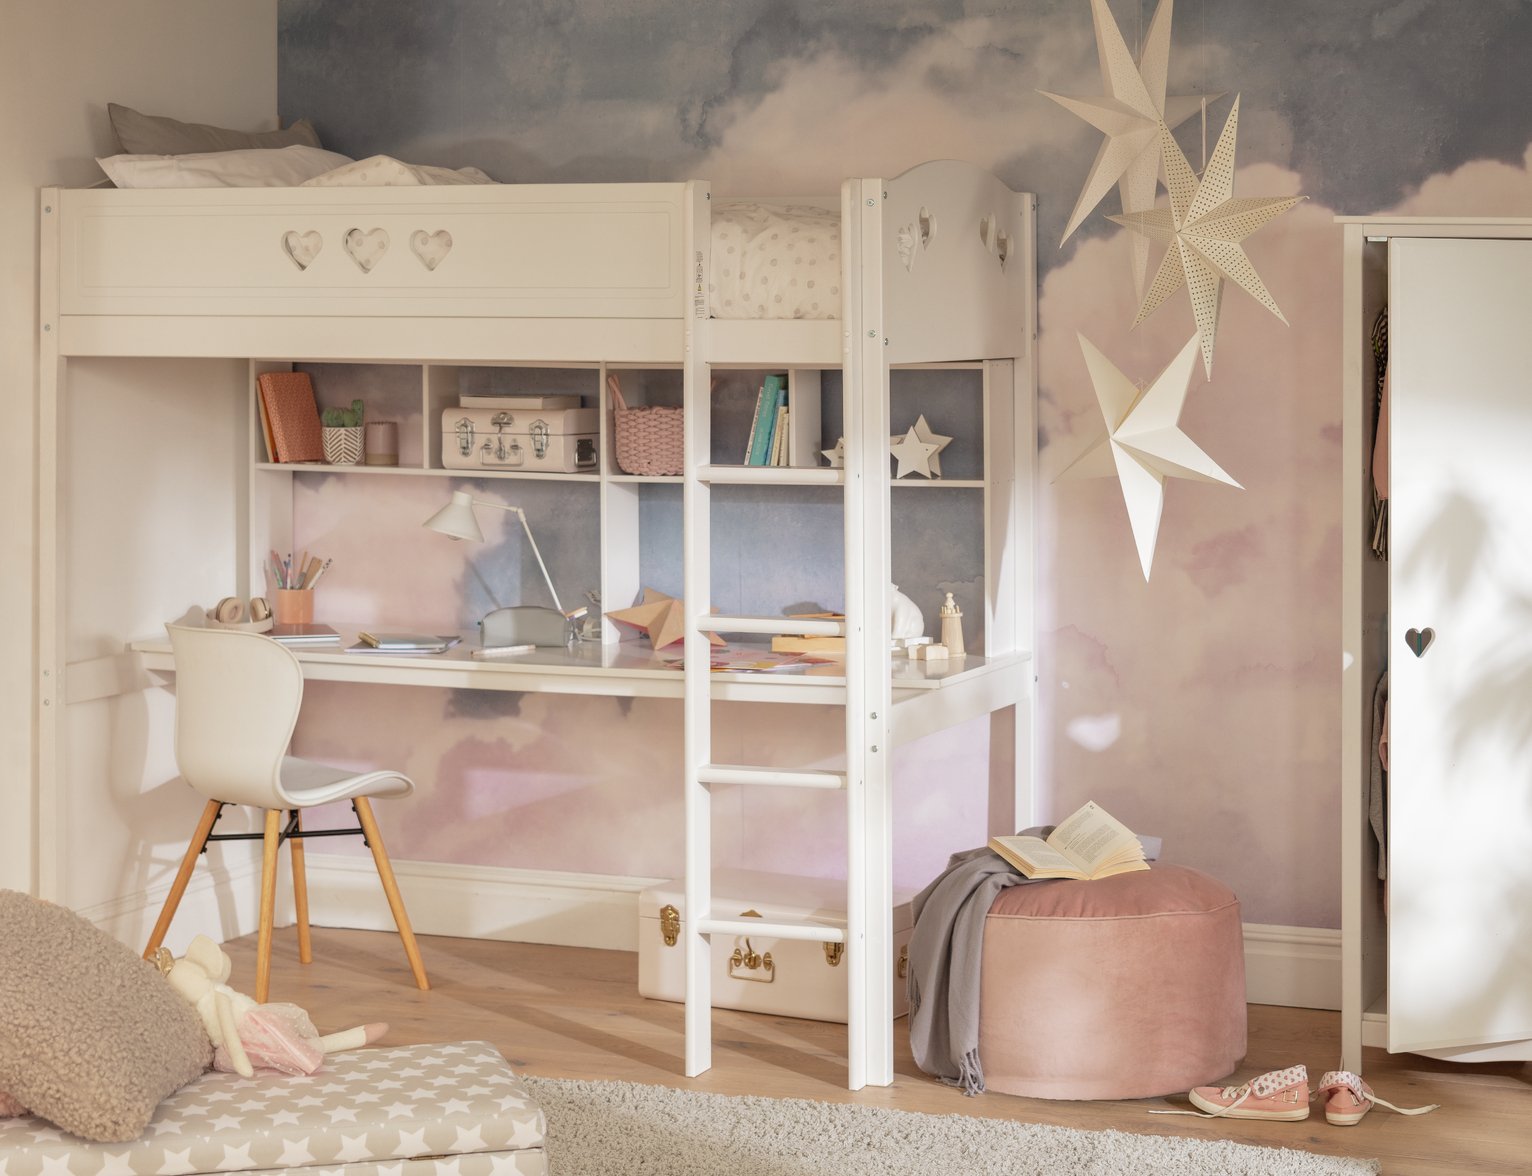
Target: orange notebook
294,415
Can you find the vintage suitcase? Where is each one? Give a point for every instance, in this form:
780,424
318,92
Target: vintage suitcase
557,440
787,977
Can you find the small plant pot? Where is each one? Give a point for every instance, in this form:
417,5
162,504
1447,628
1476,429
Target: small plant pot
342,446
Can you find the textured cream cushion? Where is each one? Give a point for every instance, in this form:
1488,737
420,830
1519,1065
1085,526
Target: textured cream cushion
284,167
154,134
91,1036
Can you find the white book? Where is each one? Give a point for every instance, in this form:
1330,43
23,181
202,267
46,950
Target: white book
525,403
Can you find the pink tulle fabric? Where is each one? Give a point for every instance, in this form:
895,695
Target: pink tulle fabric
276,1037
9,1106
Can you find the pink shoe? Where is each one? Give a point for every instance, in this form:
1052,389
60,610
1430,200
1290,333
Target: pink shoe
1280,1094
1347,1098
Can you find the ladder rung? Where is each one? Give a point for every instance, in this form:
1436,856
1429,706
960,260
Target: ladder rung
732,475
741,774
793,626
818,932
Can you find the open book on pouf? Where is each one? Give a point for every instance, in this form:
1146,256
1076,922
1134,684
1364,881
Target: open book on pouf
1089,843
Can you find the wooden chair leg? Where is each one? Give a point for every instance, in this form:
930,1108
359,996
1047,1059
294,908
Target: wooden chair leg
301,892
391,890
269,846
210,813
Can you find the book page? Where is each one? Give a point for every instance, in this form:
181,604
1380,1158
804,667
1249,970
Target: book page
1091,835
1038,855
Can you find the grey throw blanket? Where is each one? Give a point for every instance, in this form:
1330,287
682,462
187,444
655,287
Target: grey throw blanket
945,950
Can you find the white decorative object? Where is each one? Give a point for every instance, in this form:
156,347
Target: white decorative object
904,617
1129,114
303,247
952,627
432,248
837,456
1202,230
366,247
1144,444
918,450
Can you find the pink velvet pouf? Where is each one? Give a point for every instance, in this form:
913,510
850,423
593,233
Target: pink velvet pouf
1125,987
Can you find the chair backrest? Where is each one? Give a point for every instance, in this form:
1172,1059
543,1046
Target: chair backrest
237,700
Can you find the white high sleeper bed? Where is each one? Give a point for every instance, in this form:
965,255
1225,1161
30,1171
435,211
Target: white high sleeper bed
937,266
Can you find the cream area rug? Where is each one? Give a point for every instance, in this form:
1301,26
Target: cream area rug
628,1129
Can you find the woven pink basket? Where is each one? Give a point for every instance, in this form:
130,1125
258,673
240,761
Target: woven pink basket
650,440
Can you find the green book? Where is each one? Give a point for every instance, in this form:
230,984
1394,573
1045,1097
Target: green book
774,395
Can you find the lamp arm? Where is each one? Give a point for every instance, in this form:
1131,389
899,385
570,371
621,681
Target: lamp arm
522,515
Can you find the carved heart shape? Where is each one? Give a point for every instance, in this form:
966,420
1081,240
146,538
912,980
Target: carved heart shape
302,248
987,232
1419,640
366,247
431,248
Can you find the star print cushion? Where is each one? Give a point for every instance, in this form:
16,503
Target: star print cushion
369,1111
91,1036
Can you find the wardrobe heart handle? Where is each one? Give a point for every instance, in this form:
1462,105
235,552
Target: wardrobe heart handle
1419,640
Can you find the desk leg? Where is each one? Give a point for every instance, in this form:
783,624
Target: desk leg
391,891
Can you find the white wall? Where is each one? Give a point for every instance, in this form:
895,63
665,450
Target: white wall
61,62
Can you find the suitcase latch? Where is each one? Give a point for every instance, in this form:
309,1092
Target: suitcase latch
539,431
670,924
752,961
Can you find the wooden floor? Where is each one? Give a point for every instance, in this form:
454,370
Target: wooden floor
576,1013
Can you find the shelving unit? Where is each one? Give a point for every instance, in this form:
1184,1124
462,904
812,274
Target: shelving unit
146,418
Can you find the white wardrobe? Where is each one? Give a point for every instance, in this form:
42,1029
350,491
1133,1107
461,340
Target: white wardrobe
1438,959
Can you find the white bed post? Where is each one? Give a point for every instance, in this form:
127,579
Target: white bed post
696,549
869,824
50,573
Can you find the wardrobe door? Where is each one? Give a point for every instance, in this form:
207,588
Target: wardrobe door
1460,643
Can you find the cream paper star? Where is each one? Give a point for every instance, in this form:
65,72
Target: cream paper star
1202,229
1129,115
1144,443
663,619
837,456
919,450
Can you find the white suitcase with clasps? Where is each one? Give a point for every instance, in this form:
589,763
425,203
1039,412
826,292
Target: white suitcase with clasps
559,440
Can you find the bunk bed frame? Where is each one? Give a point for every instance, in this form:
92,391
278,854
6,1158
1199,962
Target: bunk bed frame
938,268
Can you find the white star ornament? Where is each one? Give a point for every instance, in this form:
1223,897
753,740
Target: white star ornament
1144,444
1202,230
1129,115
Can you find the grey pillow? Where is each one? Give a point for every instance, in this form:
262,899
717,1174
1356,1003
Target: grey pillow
92,1037
154,134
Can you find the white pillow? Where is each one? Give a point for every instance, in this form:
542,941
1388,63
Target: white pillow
384,171
253,167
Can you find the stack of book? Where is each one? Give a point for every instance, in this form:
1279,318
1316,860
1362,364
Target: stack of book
768,428
289,416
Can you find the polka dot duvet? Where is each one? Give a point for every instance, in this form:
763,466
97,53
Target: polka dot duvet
775,261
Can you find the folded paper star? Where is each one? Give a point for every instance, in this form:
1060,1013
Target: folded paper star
662,618
918,450
1129,115
1202,229
1144,444
837,456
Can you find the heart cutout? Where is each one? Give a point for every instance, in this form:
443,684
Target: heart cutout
1419,640
302,248
431,248
987,232
366,247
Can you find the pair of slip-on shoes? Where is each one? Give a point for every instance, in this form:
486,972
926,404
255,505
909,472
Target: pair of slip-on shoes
1283,1095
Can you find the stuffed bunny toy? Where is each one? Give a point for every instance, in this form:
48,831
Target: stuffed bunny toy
246,1034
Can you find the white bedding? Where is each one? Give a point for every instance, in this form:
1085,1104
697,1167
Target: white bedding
774,261
384,171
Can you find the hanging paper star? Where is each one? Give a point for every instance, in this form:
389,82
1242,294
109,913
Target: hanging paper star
661,618
1129,115
919,450
1203,228
1144,444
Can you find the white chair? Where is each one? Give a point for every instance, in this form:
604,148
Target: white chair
237,700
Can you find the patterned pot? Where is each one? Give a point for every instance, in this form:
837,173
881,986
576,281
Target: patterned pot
342,446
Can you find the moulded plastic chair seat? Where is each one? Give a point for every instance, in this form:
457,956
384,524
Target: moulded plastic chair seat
237,700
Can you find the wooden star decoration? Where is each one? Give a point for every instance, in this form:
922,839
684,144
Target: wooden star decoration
1129,114
1144,443
1203,228
919,450
661,618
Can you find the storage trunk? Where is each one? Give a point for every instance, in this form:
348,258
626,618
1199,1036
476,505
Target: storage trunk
538,440
801,980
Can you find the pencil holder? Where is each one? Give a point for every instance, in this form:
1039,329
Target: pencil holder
293,606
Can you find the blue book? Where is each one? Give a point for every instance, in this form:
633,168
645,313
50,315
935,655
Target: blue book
774,395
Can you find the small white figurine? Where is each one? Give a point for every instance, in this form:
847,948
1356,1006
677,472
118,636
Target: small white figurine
952,626
905,619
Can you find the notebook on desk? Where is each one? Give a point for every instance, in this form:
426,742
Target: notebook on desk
403,643
309,634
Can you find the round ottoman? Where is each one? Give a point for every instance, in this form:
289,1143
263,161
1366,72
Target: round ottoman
1126,987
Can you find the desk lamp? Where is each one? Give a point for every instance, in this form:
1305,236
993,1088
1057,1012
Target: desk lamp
519,625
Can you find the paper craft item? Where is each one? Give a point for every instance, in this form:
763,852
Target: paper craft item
294,415
1129,115
919,450
659,617
1144,444
1202,230
837,456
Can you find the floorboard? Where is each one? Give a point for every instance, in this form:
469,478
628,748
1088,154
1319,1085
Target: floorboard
575,1013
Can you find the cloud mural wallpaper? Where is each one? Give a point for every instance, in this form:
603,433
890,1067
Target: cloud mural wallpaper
1201,704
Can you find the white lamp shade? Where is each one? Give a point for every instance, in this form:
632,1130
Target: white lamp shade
457,519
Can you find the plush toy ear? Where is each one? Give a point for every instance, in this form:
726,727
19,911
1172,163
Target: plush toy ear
211,958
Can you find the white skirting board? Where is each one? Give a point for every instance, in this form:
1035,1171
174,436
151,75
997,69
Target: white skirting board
1296,966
